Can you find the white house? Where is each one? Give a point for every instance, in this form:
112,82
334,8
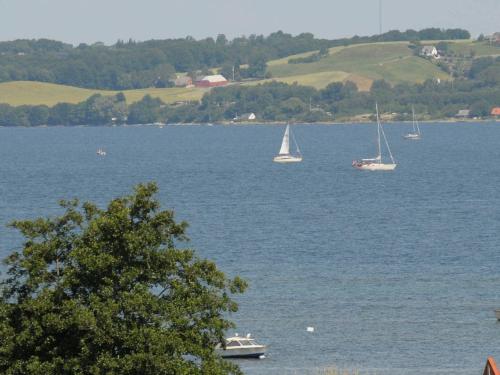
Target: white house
429,51
246,117
463,113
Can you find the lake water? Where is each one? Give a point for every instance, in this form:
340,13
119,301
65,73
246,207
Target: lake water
397,272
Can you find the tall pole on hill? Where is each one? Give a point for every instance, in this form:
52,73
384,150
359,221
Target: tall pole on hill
380,17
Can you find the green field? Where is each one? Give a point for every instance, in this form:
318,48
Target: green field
36,93
318,80
362,63
478,48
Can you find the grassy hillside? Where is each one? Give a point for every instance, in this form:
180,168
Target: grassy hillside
35,93
393,62
479,49
362,63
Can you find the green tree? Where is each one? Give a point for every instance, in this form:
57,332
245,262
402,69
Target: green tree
145,111
38,115
106,291
480,108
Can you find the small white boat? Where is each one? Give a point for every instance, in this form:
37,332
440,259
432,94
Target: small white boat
284,155
101,152
415,135
497,314
241,347
376,164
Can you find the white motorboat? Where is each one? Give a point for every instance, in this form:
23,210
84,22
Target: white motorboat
101,152
415,135
284,155
376,163
241,347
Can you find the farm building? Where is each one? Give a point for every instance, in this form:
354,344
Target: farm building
463,113
495,112
183,81
429,51
211,81
495,38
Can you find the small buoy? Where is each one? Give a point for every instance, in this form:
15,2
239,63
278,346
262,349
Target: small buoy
310,329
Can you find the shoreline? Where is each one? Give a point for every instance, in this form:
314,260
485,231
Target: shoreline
271,123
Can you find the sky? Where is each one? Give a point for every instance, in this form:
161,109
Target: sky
89,21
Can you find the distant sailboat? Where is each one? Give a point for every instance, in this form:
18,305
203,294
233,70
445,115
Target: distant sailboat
376,163
415,135
284,156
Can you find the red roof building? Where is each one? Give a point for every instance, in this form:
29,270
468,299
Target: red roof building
211,81
495,111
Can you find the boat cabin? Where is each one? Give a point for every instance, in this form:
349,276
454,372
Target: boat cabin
237,341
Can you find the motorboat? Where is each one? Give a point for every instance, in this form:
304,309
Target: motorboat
101,152
284,155
241,347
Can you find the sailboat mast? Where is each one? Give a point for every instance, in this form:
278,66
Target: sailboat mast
418,127
413,114
379,155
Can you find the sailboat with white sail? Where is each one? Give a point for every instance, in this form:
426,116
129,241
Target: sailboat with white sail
415,135
376,163
284,155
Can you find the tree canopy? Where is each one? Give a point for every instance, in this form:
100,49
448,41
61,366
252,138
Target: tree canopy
106,291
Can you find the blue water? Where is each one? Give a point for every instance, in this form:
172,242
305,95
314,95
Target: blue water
397,272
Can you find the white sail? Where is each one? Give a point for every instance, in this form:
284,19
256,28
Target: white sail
284,156
413,115
285,144
418,128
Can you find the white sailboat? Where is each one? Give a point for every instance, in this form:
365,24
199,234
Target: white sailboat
284,155
376,164
415,135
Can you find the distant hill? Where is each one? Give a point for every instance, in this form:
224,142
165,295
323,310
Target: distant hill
359,63
364,63
153,63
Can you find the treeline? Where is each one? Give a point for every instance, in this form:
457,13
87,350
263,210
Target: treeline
131,65
96,110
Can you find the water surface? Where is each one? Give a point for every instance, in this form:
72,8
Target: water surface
397,272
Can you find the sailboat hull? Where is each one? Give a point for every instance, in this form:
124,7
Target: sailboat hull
412,136
374,166
287,159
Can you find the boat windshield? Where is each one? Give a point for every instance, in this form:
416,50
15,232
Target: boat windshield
232,343
247,342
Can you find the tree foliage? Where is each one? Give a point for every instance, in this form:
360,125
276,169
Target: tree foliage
106,291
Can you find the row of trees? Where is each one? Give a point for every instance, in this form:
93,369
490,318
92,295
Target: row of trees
128,65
